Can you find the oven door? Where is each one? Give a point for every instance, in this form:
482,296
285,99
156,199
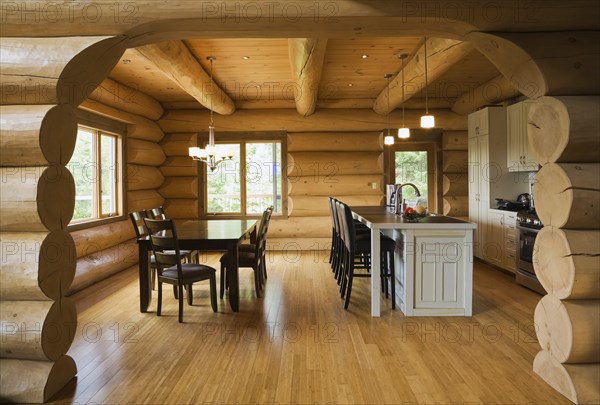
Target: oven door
525,248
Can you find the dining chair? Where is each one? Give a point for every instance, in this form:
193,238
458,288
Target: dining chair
188,255
137,220
359,246
251,247
171,269
251,255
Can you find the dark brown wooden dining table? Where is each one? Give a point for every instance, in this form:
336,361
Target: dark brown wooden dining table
203,235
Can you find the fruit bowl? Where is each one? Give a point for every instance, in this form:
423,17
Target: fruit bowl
413,216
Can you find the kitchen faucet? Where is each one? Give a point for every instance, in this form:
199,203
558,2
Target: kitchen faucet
398,201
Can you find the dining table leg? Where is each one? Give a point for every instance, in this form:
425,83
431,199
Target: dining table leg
144,276
233,277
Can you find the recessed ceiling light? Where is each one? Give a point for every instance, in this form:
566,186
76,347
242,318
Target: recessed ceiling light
365,56
350,84
245,57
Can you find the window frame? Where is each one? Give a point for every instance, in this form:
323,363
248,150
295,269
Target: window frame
421,140
105,126
242,138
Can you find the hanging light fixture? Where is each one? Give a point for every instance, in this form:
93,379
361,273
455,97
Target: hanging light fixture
389,139
209,155
403,132
427,121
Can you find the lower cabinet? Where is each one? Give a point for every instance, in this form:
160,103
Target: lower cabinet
501,239
435,273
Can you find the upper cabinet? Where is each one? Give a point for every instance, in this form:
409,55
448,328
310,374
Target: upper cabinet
518,157
479,123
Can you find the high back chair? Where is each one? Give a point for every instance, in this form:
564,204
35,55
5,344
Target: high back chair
253,256
171,269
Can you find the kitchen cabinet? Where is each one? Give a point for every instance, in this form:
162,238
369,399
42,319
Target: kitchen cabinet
487,169
501,232
518,156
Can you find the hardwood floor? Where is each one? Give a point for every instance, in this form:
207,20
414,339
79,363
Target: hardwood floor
298,345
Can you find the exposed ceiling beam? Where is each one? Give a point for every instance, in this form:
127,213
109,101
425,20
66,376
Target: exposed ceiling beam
306,59
442,54
174,60
492,92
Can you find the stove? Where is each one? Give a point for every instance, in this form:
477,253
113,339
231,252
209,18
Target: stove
528,225
529,219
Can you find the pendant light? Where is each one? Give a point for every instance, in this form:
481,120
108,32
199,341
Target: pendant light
427,121
389,139
403,132
208,154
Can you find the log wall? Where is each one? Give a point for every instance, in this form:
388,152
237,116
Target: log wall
563,135
344,165
37,197
455,186
180,188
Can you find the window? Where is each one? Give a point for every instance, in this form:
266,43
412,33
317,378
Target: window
259,164
417,163
95,166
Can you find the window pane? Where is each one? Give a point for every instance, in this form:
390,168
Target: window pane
83,168
223,185
108,170
412,167
263,177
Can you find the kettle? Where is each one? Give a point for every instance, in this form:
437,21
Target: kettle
524,199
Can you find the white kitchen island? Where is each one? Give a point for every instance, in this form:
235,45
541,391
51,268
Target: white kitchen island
433,262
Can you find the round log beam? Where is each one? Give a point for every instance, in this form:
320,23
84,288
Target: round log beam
570,329
567,195
567,262
565,129
37,330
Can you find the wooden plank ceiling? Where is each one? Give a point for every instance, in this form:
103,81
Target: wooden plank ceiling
256,73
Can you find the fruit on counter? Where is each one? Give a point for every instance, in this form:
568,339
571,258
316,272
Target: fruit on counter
420,209
408,210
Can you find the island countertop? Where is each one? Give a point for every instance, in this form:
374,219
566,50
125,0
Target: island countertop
433,261
381,217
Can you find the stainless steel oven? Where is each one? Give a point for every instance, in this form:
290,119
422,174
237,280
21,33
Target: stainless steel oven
528,225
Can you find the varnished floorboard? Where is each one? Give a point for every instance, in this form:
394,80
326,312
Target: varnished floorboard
298,345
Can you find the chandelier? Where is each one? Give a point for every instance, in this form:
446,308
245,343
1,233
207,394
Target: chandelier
209,155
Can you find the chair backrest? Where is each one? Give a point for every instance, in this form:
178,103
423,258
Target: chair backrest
163,237
348,225
157,213
137,219
335,217
261,237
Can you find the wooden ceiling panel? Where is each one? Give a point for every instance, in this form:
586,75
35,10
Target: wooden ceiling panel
346,74
471,72
265,79
137,72
265,75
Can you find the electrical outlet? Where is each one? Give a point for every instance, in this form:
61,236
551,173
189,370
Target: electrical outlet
374,186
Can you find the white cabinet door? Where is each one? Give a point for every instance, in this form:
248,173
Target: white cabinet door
439,272
518,158
494,244
514,141
474,180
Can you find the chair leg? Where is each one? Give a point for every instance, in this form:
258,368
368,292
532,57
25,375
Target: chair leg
257,281
349,287
213,294
175,292
180,291
190,294
222,281
159,303
264,265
